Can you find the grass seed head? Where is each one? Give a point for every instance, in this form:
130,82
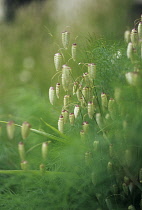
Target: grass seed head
66,77
85,126
21,149
127,36
65,39
140,31
134,37
44,150
10,129
65,115
58,90
25,129
76,110
104,102
52,95
71,118
58,61
129,50
61,124
91,109
73,51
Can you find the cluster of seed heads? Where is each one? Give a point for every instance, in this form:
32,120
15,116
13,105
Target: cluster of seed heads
134,52
25,131
83,88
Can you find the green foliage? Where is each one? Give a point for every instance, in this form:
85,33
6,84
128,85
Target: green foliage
97,170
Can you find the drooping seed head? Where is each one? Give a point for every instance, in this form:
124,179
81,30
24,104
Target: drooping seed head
86,78
65,115
127,36
73,51
129,50
112,108
104,102
133,78
10,129
78,92
99,120
65,39
71,118
52,95
85,126
25,129
76,110
44,150
58,90
21,149
85,94
75,87
61,124
140,31
58,61
66,101
66,77
91,109
92,71
134,37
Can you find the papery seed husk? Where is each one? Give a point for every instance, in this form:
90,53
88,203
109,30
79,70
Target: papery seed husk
134,37
127,36
76,110
65,39
58,90
92,71
65,115
66,101
104,102
75,87
52,95
140,31
91,110
85,126
129,50
44,150
99,120
21,149
66,77
133,78
71,118
10,129
25,129
61,124
112,108
73,51
58,61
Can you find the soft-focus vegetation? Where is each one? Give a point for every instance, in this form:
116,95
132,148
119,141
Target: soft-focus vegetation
94,161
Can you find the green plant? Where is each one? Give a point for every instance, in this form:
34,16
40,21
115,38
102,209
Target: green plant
91,159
